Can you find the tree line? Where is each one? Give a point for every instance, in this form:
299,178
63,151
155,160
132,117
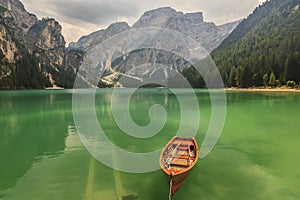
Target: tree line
268,54
264,50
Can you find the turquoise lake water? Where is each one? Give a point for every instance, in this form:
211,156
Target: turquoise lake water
42,157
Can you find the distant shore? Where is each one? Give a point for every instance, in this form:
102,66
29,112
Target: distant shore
281,89
54,88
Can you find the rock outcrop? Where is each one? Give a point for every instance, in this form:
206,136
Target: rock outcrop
45,37
26,42
17,18
97,37
207,34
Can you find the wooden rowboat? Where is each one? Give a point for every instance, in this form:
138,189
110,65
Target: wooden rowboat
177,160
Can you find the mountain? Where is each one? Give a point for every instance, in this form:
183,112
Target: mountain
97,37
32,51
264,49
207,34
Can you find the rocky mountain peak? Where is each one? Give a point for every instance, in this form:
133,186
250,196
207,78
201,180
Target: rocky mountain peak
118,25
207,34
167,17
160,17
117,28
28,44
46,34
15,14
99,36
164,10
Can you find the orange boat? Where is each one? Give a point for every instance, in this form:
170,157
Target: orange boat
177,160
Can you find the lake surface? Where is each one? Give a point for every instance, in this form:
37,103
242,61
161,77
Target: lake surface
42,157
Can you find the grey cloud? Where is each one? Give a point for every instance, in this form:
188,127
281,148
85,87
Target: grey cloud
91,11
96,12
227,10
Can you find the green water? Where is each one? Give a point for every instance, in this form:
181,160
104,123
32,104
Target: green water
41,156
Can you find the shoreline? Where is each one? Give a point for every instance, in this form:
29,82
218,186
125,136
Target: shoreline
264,90
282,89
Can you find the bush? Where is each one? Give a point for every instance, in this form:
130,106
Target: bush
291,84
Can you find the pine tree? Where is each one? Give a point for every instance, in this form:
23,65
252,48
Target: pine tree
292,68
266,80
246,77
238,76
232,77
272,80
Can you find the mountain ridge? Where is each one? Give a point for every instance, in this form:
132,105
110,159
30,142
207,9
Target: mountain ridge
161,17
206,34
33,52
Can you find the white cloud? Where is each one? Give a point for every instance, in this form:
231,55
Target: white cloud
81,17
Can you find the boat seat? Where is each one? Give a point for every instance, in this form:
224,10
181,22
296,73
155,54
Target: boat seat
181,162
179,165
183,148
187,143
181,156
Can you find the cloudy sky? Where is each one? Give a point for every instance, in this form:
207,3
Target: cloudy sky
81,17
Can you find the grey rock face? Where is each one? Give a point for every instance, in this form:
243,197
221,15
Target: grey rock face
45,36
22,33
97,37
206,34
15,16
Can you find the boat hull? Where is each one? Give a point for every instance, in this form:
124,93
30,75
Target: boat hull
177,160
177,180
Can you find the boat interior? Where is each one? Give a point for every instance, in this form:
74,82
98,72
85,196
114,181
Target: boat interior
180,154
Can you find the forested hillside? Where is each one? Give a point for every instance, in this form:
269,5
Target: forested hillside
264,49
